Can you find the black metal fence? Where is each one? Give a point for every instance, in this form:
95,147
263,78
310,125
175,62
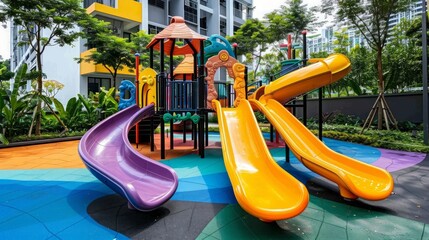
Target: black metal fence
182,96
405,106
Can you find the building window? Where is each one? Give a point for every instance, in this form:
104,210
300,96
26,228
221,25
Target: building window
222,8
94,84
222,25
238,9
154,29
87,3
203,22
157,3
236,28
191,13
127,36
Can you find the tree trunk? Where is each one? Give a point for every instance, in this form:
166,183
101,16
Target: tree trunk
257,66
38,122
380,87
114,80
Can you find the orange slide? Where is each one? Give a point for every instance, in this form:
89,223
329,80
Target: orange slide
261,186
354,178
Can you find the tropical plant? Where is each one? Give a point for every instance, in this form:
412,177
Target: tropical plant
14,107
35,17
105,102
71,115
99,105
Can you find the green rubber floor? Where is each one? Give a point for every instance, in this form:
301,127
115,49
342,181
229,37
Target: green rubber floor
323,219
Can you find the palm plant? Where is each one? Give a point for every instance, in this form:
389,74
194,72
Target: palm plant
14,106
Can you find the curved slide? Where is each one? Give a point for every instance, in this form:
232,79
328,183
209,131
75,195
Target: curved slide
354,178
261,186
108,154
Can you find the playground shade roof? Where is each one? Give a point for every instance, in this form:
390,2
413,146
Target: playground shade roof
177,30
186,66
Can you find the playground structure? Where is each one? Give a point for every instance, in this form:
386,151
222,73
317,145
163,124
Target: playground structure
148,184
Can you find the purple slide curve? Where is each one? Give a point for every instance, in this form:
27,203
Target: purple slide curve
107,153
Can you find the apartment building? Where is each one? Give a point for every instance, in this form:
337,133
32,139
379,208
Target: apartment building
126,17
323,39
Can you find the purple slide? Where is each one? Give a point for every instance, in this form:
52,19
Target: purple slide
107,153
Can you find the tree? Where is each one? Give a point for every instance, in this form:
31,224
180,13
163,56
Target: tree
362,79
140,40
341,42
403,59
293,17
44,23
415,30
111,51
252,41
340,45
270,65
372,21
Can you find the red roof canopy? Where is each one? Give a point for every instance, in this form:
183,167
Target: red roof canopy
177,30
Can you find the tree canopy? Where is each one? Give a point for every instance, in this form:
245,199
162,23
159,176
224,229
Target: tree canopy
252,40
292,17
111,51
256,36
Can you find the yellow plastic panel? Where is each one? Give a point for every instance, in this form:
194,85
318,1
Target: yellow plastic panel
354,178
147,87
262,188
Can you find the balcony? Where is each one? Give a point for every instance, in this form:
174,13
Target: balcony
87,68
126,10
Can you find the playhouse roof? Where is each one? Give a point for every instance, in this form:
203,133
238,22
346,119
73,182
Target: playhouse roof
186,66
177,30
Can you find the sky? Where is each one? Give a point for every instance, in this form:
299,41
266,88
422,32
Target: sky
261,8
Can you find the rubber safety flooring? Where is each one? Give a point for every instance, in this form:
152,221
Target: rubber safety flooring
47,193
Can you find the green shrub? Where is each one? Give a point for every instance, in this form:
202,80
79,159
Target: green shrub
260,117
47,135
339,118
409,126
212,118
389,139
